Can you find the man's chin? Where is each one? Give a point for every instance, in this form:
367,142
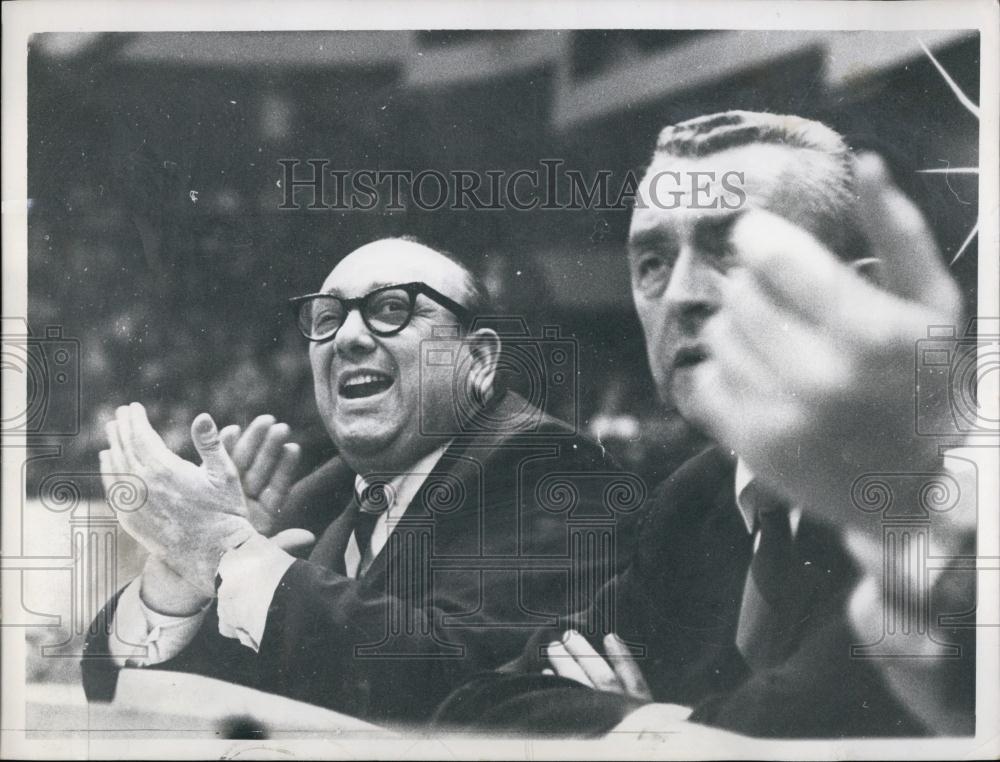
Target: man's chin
362,443
678,395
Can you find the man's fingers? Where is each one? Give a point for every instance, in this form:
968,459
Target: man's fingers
284,475
146,442
798,271
784,255
140,445
565,665
114,470
598,671
125,439
267,459
205,437
752,367
107,470
114,437
119,455
117,461
229,436
708,400
801,275
723,400
797,354
909,259
628,672
246,447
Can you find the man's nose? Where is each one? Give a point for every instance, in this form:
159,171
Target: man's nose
692,294
353,337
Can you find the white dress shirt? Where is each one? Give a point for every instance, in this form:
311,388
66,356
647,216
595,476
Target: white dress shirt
250,576
743,481
401,490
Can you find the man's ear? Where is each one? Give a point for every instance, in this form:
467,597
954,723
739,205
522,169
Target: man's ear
484,346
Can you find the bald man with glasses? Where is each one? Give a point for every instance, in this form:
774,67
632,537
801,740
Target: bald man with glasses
437,554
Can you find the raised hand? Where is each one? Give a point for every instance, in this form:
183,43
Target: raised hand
192,515
810,376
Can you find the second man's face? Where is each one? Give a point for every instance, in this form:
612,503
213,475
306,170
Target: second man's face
681,254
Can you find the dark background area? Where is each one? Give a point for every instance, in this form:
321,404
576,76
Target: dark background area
156,238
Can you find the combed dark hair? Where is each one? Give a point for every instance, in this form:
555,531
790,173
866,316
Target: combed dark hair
832,187
712,133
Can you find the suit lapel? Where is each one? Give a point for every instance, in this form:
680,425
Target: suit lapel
731,551
454,465
329,551
452,474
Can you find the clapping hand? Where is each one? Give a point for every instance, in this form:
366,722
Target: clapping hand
193,514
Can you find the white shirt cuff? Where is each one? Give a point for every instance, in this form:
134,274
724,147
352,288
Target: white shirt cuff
250,575
142,637
653,717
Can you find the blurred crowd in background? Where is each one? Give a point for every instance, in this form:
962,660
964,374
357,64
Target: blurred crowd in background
156,239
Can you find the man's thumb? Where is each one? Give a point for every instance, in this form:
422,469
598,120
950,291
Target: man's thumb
205,435
294,541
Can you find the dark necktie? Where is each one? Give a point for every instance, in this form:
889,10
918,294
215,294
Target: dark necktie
373,501
774,590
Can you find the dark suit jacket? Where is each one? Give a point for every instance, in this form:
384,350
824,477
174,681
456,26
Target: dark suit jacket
492,547
678,605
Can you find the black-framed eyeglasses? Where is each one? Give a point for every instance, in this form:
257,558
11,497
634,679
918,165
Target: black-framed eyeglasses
385,311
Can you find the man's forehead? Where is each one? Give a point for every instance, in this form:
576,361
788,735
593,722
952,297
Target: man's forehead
393,261
758,162
675,190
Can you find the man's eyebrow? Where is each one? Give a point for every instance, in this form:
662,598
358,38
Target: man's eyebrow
334,291
651,239
707,228
716,228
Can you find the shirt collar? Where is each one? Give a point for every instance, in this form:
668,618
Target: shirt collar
403,487
743,478
743,486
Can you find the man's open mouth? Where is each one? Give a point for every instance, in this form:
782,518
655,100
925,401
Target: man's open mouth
366,384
